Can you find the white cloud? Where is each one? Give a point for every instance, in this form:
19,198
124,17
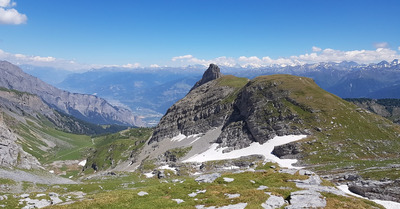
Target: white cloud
398,48
6,3
360,56
22,59
10,16
323,55
316,49
129,65
318,55
188,56
381,45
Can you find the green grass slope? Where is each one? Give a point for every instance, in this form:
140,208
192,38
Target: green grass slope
344,136
111,149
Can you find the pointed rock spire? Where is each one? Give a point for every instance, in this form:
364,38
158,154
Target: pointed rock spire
213,72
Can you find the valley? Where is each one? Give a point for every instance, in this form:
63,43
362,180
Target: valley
217,147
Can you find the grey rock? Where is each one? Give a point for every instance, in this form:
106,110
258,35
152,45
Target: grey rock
306,199
160,174
213,72
306,172
288,171
236,206
179,201
193,194
262,187
208,178
11,153
142,193
34,203
24,195
312,180
3,197
226,179
383,190
313,184
231,196
273,202
290,150
352,177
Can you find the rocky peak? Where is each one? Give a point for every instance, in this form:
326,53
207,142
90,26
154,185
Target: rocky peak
213,72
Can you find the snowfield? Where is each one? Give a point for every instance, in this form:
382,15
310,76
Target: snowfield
255,148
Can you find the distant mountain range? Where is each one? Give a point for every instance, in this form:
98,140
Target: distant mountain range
86,107
149,92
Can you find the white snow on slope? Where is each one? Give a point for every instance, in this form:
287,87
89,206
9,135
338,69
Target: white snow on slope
255,148
181,137
167,167
82,163
178,138
384,203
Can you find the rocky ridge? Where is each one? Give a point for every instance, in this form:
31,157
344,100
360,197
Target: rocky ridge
268,106
86,107
248,111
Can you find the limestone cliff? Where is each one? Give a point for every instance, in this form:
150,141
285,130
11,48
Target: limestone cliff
11,153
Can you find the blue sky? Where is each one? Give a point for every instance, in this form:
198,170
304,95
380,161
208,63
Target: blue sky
77,34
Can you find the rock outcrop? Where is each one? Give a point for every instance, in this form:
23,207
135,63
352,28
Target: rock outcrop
11,153
86,107
213,72
388,108
383,190
200,111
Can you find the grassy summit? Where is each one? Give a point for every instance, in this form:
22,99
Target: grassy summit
344,136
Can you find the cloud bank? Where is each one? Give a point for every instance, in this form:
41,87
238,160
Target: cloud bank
318,55
71,65
9,15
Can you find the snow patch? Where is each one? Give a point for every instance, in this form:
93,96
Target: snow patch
82,163
149,175
181,137
167,167
384,203
255,148
178,138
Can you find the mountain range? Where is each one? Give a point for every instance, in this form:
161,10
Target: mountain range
149,92
272,141
82,106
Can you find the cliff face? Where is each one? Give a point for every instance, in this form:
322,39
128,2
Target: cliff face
260,112
11,153
86,107
201,110
388,108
